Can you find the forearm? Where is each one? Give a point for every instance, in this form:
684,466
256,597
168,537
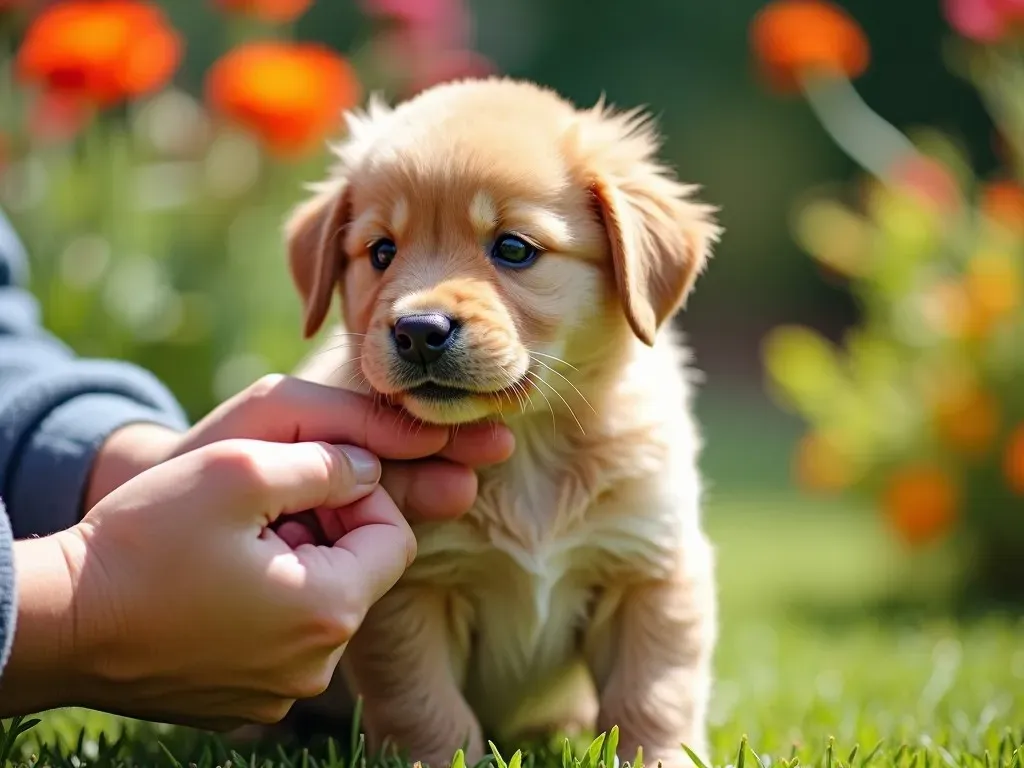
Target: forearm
39,673
127,452
57,411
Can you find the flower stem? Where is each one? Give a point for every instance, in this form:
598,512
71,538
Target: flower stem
870,140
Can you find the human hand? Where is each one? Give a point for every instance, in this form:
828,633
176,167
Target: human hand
427,469
172,600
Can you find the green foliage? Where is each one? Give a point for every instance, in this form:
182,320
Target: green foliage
918,407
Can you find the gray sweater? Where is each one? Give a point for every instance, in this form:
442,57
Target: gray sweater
56,409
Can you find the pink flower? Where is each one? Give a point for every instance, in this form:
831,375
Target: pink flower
408,11
984,21
425,23
451,65
929,181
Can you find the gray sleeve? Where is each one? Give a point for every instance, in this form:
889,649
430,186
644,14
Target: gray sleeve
56,409
8,594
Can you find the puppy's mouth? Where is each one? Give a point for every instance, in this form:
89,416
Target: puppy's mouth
444,403
437,392
442,393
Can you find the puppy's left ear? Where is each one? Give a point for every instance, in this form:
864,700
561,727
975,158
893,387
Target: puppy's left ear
659,237
315,254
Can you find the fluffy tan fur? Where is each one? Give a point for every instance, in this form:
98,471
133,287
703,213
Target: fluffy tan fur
586,547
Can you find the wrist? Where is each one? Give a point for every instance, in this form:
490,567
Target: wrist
42,671
127,452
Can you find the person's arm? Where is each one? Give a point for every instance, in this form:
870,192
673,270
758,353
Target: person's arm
57,410
8,591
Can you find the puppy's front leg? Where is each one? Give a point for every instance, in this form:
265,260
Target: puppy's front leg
651,661
401,662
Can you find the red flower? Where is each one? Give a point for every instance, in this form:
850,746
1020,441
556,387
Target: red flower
290,94
103,51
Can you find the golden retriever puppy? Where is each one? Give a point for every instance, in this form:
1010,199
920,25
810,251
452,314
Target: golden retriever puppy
501,254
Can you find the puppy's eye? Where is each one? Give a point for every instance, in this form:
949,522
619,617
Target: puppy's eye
382,253
512,251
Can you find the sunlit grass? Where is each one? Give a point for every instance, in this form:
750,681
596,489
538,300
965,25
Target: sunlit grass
817,642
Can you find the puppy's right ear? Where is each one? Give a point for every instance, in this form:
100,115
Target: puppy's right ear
315,251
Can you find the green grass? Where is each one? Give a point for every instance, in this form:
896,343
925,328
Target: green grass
827,632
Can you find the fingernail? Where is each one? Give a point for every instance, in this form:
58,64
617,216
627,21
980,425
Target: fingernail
365,465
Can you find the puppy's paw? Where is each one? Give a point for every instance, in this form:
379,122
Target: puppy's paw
443,759
675,757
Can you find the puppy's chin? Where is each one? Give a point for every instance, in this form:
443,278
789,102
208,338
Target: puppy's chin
441,407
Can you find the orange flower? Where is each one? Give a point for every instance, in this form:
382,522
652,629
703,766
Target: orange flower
793,38
993,284
1013,461
967,419
920,503
290,94
819,465
1003,202
101,51
274,11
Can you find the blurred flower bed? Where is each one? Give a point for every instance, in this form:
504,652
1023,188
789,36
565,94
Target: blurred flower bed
152,214
920,407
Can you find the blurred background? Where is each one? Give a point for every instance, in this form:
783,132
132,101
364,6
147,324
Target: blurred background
859,326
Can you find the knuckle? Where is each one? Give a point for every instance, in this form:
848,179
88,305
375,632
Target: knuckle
339,627
272,712
310,686
235,462
267,387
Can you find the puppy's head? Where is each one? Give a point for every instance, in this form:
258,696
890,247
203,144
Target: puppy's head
490,242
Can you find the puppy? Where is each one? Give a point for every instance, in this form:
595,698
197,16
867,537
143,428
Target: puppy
501,254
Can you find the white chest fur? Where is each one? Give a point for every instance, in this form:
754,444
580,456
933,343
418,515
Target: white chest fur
555,535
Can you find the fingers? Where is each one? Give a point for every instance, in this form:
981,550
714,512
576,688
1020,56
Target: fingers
479,445
371,556
429,490
432,489
287,409
294,533
271,479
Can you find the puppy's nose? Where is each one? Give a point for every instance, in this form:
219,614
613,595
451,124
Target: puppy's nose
424,338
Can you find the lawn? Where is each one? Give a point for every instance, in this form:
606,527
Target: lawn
812,647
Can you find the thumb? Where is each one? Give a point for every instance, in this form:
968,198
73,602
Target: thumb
273,479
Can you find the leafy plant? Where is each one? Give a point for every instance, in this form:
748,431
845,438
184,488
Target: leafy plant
919,406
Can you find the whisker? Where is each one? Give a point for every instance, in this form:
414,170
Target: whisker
517,388
551,410
556,359
559,395
327,350
564,378
350,381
